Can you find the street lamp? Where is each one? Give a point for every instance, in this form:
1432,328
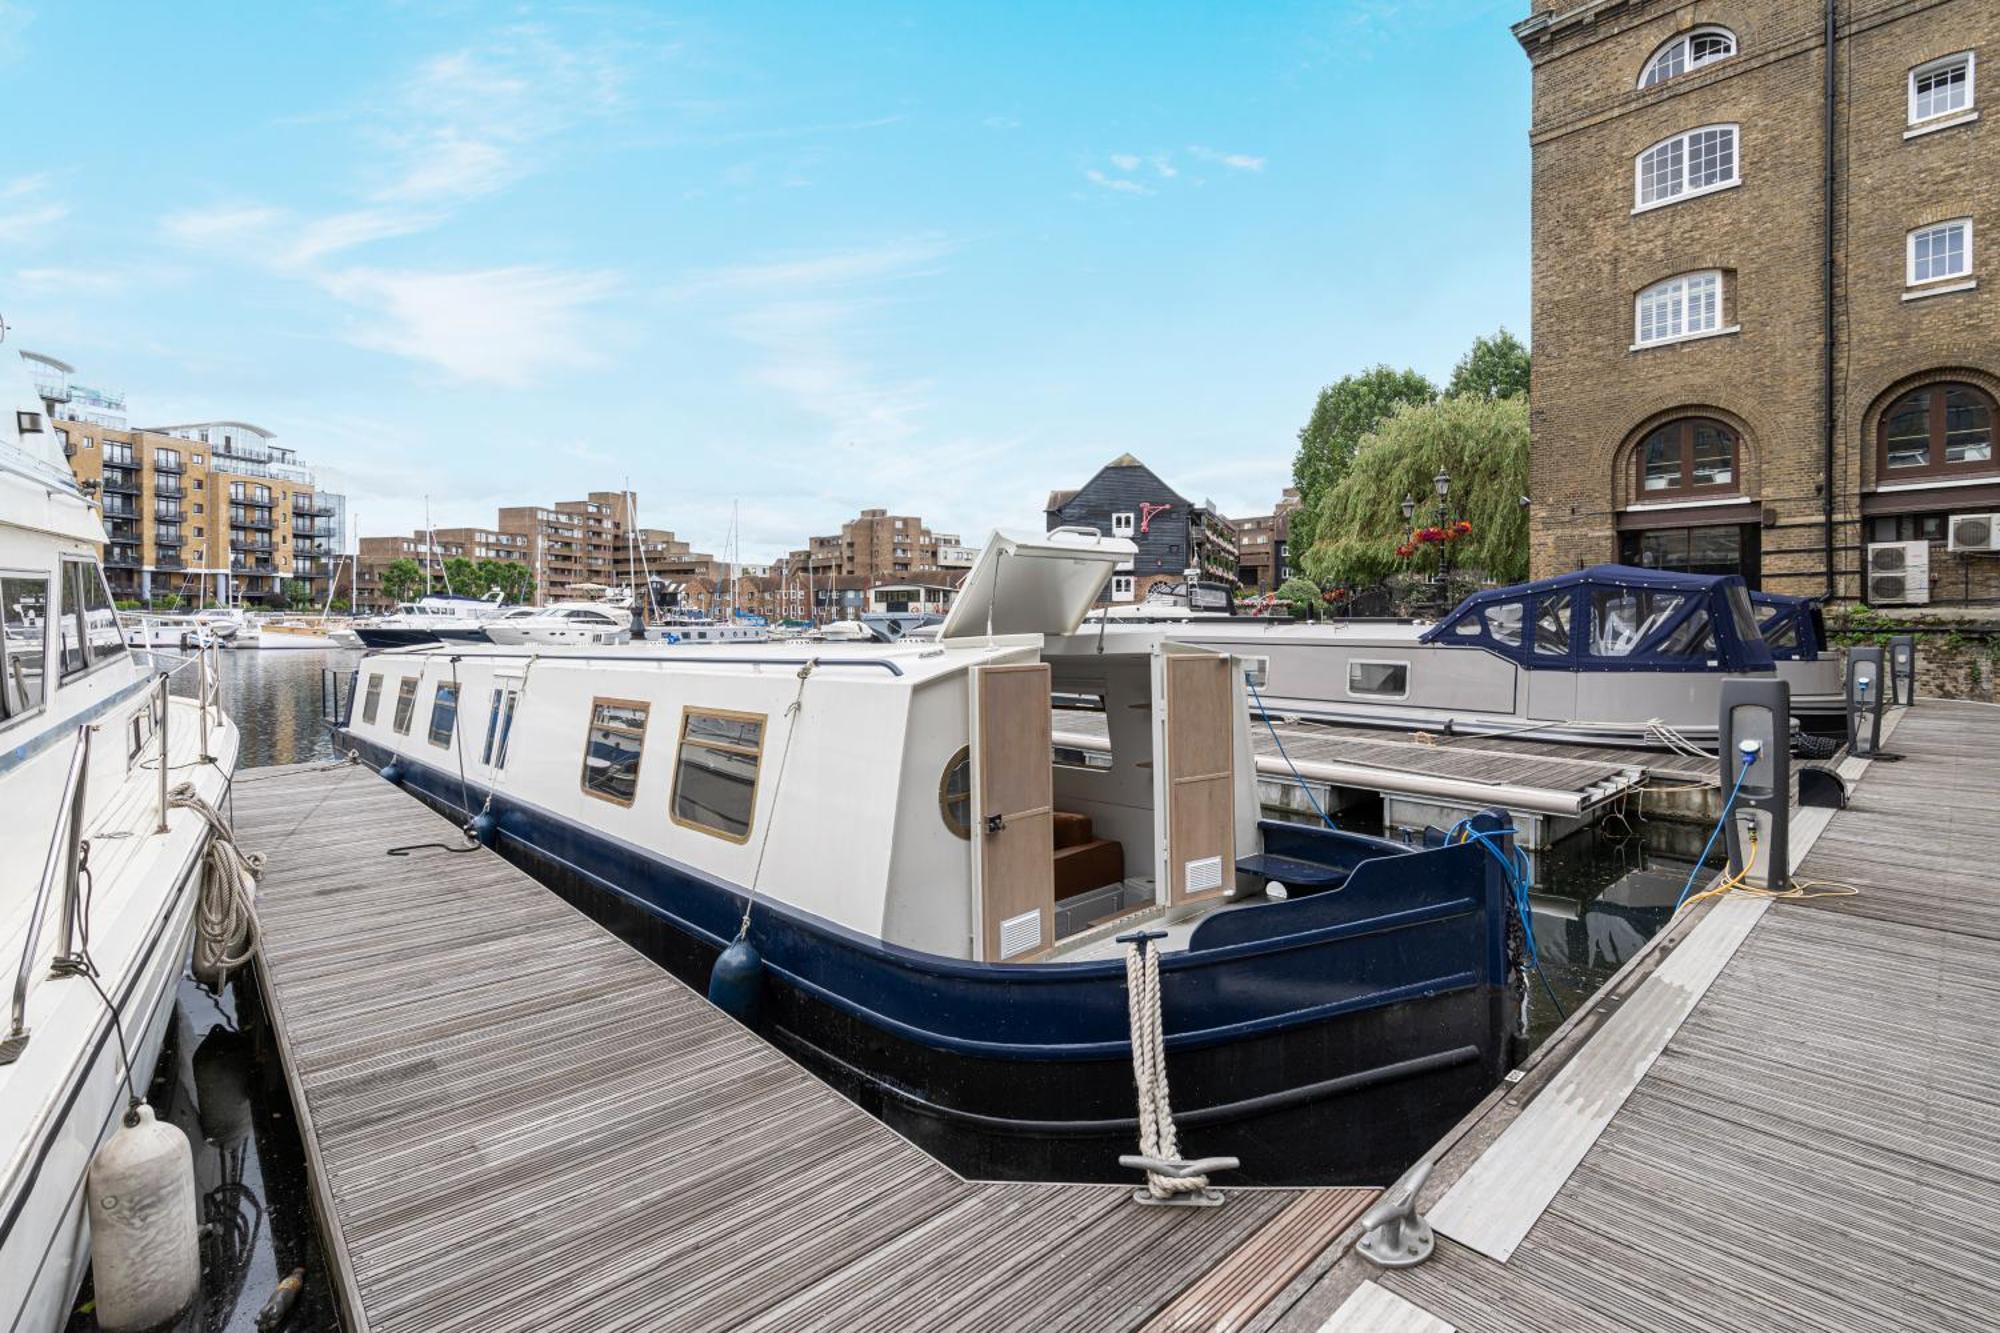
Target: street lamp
1409,508
1443,483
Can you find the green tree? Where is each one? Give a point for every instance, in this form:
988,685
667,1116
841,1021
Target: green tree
1344,412
167,601
298,594
1302,593
402,580
1496,367
1482,443
462,577
515,580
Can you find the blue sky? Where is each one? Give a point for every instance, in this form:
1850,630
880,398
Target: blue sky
940,257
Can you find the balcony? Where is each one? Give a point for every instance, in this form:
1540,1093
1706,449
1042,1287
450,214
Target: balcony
120,482
162,467
167,513
310,545
251,567
164,561
119,506
250,518
168,486
249,544
316,508
121,557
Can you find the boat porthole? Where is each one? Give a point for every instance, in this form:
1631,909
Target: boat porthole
955,793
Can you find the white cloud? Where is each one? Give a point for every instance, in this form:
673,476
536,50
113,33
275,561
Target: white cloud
1125,161
26,210
506,326
224,227
895,259
14,21
1233,161
1116,184
326,236
1002,122
72,281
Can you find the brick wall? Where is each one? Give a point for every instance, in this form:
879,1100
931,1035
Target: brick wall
1594,398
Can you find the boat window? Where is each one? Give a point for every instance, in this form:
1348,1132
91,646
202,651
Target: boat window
1693,637
955,793
100,615
70,625
611,752
1740,612
24,617
1467,626
406,704
372,705
715,773
1623,618
1384,680
444,713
499,722
1084,706
1503,622
1552,624
1784,636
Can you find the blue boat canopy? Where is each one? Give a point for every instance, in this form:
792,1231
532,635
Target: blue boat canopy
1614,618
1794,628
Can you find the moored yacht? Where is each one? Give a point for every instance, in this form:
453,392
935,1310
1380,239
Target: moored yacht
938,902
98,870
560,622
425,620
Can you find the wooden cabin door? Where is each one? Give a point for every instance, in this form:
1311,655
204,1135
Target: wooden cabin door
1013,810
1194,774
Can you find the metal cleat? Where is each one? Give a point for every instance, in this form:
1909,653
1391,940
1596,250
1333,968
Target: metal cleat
1395,1235
1205,1197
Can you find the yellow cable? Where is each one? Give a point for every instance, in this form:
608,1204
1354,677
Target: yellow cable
1800,889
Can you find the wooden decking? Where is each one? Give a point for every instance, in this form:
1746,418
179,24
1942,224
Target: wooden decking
1817,1146
516,1122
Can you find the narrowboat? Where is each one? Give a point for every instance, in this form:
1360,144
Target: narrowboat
936,902
1609,655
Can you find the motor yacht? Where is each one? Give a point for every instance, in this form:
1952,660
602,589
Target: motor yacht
559,622
98,872
938,898
425,620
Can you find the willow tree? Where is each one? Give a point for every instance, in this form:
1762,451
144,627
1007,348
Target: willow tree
1483,443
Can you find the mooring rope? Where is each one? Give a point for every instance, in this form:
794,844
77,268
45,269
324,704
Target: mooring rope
1157,1137
792,711
226,929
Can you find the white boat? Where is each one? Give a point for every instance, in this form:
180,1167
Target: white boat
934,894
560,622
1610,655
283,633
428,619
83,726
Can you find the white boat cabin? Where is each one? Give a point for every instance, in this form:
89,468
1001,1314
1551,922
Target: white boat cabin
906,791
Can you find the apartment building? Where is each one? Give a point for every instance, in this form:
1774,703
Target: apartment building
1765,331
1262,562
1179,541
210,511
876,545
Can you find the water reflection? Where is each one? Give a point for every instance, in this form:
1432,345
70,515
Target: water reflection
274,698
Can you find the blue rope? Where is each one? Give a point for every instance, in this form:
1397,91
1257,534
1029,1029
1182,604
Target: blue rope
1727,805
1296,776
1519,873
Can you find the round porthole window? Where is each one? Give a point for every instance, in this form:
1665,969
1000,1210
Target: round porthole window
955,793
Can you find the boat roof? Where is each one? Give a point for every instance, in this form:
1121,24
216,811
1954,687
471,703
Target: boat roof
910,663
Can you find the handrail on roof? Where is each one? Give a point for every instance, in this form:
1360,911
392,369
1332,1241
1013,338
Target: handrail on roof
63,853
429,650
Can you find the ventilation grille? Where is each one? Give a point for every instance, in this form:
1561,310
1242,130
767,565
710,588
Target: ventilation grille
1019,934
1888,560
1888,588
1204,874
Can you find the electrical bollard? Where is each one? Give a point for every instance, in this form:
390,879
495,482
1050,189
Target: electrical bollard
1866,684
1756,739
1903,670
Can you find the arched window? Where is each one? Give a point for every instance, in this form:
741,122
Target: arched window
1680,308
1691,457
1689,51
1940,428
1699,161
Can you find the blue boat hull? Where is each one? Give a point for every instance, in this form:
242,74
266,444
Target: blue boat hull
1326,1040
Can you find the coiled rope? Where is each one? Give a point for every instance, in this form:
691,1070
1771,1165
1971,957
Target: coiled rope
1157,1138
226,930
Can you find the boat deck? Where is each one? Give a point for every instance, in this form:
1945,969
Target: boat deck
514,1121
1782,1116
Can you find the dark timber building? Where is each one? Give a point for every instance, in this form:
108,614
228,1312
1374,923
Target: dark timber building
1175,537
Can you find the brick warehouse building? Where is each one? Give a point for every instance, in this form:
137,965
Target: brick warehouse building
1686,351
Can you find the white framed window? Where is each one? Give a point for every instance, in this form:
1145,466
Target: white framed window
1682,307
1378,679
1121,587
1124,525
1699,161
1940,252
1941,88
1688,51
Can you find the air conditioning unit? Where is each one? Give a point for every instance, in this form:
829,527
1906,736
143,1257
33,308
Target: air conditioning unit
1975,532
1899,572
